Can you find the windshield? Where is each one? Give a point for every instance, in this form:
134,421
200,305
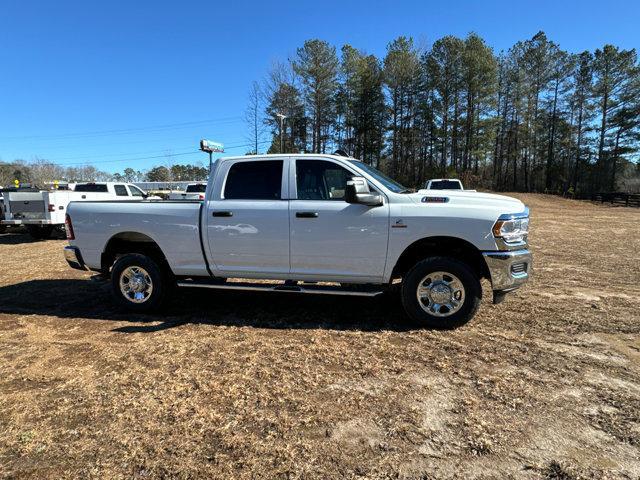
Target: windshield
388,182
135,191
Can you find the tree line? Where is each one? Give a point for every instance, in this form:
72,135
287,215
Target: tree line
532,118
42,172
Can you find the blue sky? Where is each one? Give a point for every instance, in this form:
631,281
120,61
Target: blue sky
113,83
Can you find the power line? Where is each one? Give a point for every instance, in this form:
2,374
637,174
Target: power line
157,150
167,156
124,131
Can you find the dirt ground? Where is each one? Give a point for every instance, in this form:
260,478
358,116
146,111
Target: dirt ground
247,385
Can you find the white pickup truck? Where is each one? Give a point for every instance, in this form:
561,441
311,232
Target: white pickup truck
312,223
194,191
42,211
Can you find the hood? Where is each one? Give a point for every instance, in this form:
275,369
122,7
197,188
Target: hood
462,197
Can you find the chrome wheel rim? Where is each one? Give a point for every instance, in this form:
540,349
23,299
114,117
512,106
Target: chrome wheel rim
136,284
440,294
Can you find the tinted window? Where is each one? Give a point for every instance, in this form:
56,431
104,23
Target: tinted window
320,180
121,190
91,187
445,185
254,181
199,188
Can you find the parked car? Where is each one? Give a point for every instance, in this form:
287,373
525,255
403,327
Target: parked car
194,191
303,219
43,211
443,184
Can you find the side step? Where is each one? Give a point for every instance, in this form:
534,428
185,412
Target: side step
372,291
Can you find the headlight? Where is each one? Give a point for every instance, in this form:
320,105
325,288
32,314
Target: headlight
512,228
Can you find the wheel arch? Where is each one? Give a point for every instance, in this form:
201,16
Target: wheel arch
446,246
132,242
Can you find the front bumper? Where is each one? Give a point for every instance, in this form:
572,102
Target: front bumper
508,269
74,258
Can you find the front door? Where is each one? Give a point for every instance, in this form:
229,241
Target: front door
248,220
330,237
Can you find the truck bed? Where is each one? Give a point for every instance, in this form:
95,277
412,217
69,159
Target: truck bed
173,225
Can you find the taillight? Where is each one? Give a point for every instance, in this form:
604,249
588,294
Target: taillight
201,197
52,207
68,227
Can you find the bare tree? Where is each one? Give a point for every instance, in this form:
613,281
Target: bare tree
253,116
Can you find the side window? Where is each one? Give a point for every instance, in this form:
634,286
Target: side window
260,180
121,190
135,191
321,180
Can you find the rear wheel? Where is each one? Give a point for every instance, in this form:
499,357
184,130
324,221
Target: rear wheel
138,283
441,292
40,232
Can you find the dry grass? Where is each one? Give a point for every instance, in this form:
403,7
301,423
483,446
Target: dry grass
546,384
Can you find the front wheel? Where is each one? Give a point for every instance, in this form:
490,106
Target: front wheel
137,283
441,292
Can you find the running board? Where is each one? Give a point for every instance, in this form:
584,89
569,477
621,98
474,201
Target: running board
265,287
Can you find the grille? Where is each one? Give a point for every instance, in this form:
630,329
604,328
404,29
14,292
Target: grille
519,268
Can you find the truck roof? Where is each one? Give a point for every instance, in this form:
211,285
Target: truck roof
289,155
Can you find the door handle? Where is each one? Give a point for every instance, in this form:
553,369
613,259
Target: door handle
221,214
307,214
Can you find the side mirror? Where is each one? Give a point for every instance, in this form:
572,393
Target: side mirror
357,191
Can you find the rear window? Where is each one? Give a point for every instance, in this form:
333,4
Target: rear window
260,180
445,185
199,188
92,187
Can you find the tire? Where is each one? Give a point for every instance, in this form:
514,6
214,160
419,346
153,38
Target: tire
151,283
449,297
38,232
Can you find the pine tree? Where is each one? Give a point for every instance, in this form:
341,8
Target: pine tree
317,65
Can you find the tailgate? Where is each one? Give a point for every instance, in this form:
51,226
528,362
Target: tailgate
26,205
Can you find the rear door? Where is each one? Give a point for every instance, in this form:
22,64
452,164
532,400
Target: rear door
248,218
330,237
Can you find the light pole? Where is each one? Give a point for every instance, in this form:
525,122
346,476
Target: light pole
281,117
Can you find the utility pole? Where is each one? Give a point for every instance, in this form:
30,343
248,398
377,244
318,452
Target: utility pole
281,117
